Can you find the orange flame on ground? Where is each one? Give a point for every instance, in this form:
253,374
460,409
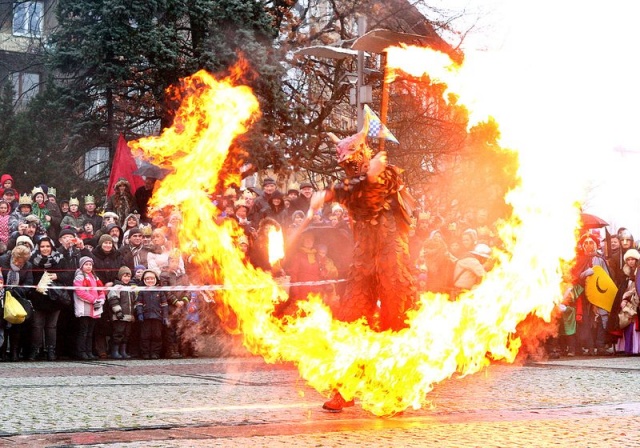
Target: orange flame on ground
387,371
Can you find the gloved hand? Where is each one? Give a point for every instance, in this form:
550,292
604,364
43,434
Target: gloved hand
165,321
120,315
586,273
140,317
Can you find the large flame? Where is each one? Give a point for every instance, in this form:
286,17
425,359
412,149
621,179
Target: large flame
388,371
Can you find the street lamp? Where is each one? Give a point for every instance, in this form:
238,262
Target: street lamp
377,41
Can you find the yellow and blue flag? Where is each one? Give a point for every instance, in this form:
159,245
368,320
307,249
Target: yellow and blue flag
374,127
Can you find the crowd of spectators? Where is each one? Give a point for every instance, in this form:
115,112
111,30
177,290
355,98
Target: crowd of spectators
93,252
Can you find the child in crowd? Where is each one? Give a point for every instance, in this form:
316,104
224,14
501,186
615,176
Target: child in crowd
88,232
122,303
152,310
137,277
88,305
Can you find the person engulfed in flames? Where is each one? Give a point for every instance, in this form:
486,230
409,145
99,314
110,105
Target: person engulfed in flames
380,286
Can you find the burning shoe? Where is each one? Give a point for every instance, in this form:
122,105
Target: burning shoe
337,403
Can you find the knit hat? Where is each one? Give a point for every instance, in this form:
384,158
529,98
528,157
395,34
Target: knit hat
139,267
123,270
66,231
134,230
22,239
10,191
268,181
153,272
84,260
632,253
103,238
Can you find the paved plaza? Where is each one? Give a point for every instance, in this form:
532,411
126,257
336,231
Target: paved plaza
243,402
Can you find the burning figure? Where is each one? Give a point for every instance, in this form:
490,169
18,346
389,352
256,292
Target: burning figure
380,208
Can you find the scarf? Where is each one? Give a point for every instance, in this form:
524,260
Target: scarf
135,251
311,254
41,261
13,276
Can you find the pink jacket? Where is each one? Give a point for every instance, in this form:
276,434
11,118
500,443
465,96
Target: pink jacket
85,295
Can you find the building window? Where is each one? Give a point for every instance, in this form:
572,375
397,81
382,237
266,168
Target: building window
26,86
28,18
95,162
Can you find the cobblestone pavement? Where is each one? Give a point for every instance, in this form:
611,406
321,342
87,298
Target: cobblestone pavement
242,402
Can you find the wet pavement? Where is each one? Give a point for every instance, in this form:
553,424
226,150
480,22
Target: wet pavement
242,402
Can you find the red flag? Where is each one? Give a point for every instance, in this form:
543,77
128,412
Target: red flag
123,167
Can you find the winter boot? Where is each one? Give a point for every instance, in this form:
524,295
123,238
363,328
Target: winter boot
51,353
115,351
33,354
123,351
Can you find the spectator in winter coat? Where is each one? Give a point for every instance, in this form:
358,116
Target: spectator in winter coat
73,218
4,221
88,305
122,304
152,309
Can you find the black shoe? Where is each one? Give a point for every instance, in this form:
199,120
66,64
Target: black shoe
82,356
51,353
154,356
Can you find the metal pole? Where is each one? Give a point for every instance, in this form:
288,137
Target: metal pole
362,29
384,100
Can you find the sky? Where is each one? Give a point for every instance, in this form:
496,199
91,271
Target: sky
562,80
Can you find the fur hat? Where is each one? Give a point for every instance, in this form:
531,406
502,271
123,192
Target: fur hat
123,270
83,261
24,239
632,253
31,218
110,215
74,201
103,238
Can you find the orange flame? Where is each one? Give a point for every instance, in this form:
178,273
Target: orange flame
387,371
